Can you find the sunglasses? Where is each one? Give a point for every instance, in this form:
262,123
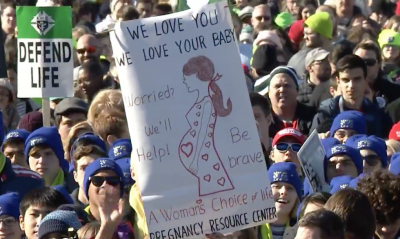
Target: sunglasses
372,160
266,18
89,49
283,147
99,180
370,62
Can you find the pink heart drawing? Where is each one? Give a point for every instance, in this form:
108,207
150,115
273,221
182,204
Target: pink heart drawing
198,106
198,113
216,166
213,114
193,132
196,123
187,149
211,126
210,135
199,201
208,144
221,181
207,177
204,157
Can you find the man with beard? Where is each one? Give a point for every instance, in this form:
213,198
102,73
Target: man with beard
88,48
318,71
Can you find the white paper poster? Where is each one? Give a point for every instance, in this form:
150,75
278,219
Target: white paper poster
311,157
197,153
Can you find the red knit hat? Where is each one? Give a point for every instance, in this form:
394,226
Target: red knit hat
296,31
395,132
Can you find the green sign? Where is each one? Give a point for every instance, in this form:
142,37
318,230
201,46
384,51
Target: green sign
45,52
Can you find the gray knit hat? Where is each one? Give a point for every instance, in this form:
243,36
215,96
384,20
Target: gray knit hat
59,221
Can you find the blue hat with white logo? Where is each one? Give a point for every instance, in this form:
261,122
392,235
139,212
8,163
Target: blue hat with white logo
98,165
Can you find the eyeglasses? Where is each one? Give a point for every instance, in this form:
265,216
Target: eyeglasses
99,180
372,160
89,49
8,221
283,147
266,18
370,62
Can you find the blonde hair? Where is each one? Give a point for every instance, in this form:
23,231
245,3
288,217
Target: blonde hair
73,134
393,145
104,100
392,21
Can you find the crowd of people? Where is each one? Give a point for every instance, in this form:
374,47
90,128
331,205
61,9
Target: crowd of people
331,66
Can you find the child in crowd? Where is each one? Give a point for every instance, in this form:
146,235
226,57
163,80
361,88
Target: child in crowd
383,189
9,215
286,190
86,140
342,160
59,224
285,145
103,184
81,158
346,124
35,206
13,147
45,155
372,150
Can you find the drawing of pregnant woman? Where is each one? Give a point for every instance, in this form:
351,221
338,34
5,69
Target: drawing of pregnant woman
197,149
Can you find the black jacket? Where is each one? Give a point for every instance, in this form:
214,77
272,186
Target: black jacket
378,122
304,115
305,91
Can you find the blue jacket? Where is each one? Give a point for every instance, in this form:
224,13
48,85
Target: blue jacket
378,121
15,178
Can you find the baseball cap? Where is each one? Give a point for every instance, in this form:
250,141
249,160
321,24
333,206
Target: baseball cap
291,132
316,54
71,104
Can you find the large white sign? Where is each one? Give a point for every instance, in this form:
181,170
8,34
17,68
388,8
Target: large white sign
197,153
311,157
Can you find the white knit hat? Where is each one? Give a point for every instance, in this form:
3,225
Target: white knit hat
45,3
6,84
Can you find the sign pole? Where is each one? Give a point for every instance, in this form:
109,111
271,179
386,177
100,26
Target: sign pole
46,112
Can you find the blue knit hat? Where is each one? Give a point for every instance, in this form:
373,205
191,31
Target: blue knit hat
121,148
353,183
350,119
373,143
339,183
328,143
98,165
286,70
46,136
61,189
285,172
59,221
86,139
395,164
125,165
17,134
353,153
353,139
9,205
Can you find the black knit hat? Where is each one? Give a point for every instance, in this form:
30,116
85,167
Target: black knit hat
59,221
